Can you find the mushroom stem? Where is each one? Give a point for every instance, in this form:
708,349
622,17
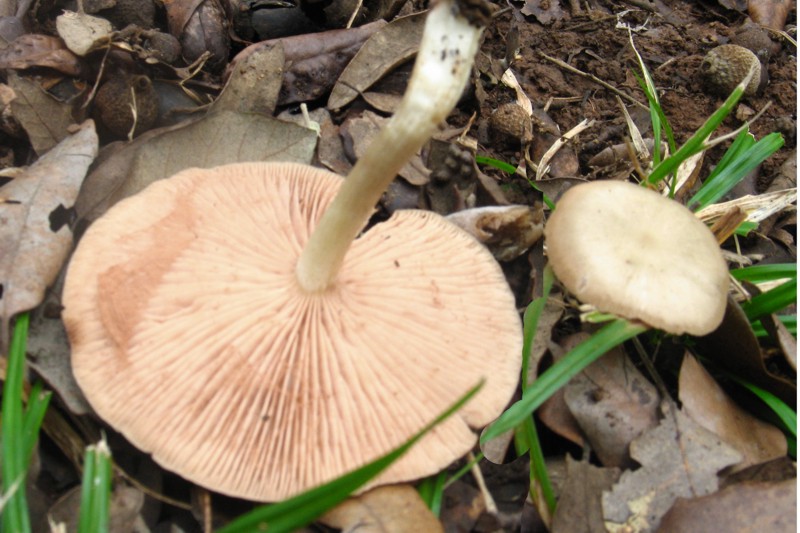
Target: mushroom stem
444,62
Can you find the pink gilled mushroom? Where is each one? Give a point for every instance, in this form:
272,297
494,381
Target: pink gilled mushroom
229,322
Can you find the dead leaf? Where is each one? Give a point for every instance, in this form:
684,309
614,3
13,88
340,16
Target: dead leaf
35,235
545,11
83,33
216,139
579,508
462,505
388,48
34,50
44,119
613,404
314,61
48,350
679,458
707,404
770,13
178,14
205,34
389,509
734,347
508,230
255,83
742,508
359,132
125,505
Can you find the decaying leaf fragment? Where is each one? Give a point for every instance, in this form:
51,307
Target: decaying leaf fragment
44,119
741,508
34,50
708,405
507,230
388,48
613,404
389,509
679,458
35,236
579,507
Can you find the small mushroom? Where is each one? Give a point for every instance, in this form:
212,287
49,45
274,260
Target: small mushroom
229,322
630,251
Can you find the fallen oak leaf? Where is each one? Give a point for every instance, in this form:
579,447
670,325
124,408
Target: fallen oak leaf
708,405
389,509
35,235
679,458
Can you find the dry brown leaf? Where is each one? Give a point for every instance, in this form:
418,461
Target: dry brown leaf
613,404
770,13
34,50
124,508
708,405
579,507
35,235
314,61
679,458
389,509
507,230
44,119
216,139
255,83
733,346
749,507
545,11
83,33
391,46
361,130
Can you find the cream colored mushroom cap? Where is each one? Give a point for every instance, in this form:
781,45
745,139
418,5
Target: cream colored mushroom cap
630,251
191,336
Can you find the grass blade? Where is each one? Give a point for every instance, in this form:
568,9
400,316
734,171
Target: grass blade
304,508
431,490
612,334
763,273
697,142
771,301
742,156
14,468
790,321
95,489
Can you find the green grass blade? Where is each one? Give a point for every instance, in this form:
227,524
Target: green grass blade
304,508
530,321
496,163
764,273
95,489
431,490
741,158
697,142
771,301
786,414
38,400
511,169
15,511
538,468
612,334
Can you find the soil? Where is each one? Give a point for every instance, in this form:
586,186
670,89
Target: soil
597,38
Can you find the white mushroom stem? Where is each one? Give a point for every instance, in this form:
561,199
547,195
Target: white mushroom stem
444,62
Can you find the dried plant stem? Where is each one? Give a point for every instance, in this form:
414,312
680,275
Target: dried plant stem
567,66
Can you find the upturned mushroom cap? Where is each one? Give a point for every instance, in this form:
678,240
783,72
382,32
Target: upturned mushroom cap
631,252
191,336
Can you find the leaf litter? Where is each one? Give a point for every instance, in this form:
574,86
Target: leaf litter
309,68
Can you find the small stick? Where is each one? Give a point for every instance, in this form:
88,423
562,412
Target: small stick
594,78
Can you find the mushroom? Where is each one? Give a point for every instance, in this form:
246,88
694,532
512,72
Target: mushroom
629,251
230,322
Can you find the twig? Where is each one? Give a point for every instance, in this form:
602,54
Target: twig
594,78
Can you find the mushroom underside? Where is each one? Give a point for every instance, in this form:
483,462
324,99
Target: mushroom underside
191,336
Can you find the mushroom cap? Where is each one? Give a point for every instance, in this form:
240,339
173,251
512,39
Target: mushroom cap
191,336
630,251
